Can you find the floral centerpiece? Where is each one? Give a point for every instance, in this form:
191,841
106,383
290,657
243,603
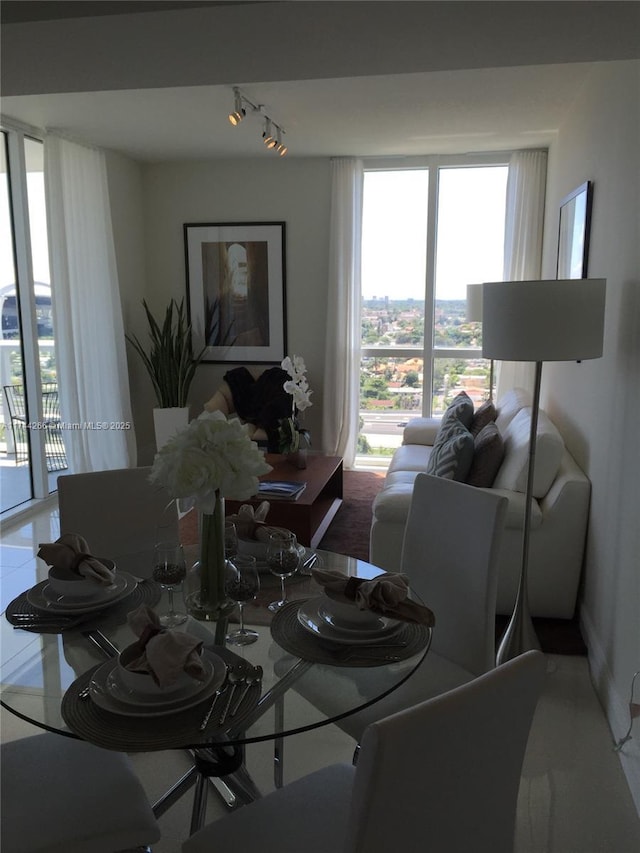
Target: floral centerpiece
292,436
212,459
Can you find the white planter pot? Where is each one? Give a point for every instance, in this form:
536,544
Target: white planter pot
168,422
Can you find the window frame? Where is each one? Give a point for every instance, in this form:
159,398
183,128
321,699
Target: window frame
429,352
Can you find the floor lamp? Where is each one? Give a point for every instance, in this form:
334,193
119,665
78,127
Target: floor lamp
559,320
474,315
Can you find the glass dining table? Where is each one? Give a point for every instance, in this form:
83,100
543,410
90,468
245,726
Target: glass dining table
59,675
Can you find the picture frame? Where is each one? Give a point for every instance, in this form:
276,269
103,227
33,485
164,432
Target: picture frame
236,296
573,232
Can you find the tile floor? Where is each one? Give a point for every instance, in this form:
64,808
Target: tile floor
573,795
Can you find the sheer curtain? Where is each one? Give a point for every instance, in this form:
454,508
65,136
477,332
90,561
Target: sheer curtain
90,343
523,243
341,399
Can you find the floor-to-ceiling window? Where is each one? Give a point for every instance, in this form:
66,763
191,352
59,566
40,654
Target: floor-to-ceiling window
430,227
32,449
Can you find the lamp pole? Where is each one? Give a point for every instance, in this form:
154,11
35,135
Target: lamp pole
520,635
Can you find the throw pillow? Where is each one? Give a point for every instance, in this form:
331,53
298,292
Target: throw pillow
549,449
452,453
483,415
487,457
461,409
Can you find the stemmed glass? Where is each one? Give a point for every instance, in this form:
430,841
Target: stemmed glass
241,584
169,570
230,540
283,560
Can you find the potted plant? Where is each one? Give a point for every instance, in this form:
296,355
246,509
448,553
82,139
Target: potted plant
171,367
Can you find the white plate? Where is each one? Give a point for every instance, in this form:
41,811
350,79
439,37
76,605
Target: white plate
42,597
372,625
101,695
310,617
118,690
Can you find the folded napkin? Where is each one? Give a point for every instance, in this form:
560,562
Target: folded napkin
71,552
248,519
163,654
386,595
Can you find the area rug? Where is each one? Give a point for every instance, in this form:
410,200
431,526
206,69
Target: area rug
349,534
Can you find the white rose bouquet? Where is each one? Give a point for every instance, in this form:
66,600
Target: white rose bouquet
212,459
211,455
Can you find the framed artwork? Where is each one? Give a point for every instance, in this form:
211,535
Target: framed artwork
573,232
236,290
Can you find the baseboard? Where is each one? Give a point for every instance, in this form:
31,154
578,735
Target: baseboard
616,708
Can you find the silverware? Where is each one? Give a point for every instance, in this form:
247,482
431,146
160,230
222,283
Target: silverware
250,679
216,696
236,678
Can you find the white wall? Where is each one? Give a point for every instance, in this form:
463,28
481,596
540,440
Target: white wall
294,191
596,404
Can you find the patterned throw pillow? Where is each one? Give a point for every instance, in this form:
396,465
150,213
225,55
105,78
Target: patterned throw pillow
487,457
461,409
483,415
452,452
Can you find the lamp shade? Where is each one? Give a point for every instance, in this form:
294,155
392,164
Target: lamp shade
555,320
474,303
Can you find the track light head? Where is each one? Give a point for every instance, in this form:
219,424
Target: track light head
267,134
239,111
281,148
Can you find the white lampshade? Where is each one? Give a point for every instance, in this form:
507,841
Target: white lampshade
474,303
556,320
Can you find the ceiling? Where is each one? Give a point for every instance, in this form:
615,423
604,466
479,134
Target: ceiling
439,111
409,114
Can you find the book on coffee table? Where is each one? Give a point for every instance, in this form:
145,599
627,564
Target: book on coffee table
281,489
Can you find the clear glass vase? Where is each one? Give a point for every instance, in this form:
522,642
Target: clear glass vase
206,597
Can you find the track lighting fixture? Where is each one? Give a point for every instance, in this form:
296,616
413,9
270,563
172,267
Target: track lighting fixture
272,133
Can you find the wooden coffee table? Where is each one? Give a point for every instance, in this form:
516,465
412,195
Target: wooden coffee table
309,515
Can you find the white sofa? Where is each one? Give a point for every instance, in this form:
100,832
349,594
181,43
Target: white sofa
559,515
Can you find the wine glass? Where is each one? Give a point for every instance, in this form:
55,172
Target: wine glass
241,584
283,559
230,540
169,570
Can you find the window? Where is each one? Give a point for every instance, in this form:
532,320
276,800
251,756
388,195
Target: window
430,227
29,458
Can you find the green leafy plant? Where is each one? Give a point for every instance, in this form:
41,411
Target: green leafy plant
169,362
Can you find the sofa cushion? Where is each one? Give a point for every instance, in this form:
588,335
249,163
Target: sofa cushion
483,415
452,452
488,454
410,457
549,448
509,405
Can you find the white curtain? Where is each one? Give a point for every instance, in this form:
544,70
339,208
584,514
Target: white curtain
90,343
341,399
523,244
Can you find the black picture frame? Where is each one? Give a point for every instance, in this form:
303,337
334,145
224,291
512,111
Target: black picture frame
574,229
236,294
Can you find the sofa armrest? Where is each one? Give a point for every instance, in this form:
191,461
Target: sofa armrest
421,431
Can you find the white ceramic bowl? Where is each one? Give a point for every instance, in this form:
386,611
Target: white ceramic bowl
141,683
66,582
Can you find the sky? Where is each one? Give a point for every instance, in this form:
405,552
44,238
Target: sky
470,232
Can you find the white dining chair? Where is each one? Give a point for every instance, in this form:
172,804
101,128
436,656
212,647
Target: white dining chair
442,776
450,555
61,795
120,514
